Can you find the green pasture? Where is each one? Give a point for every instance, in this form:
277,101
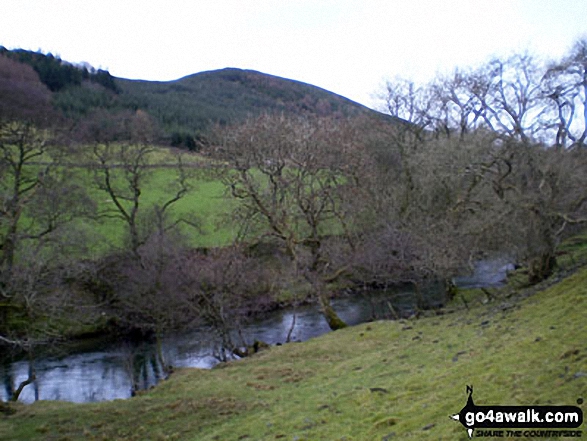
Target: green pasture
204,206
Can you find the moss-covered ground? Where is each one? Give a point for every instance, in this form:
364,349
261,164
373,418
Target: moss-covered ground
378,381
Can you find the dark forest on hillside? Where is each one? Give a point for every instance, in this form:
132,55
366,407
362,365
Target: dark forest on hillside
184,109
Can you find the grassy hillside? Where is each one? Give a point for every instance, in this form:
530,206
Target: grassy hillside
377,381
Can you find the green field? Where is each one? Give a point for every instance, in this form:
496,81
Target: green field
377,381
205,204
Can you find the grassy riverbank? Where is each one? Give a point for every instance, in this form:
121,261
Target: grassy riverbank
383,380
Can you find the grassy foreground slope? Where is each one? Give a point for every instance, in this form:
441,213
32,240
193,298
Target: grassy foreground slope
376,381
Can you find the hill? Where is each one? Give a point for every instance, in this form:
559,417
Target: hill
184,109
192,103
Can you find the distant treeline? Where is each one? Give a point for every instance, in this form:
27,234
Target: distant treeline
57,74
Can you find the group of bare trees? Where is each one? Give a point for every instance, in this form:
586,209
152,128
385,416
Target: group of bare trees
315,191
484,161
39,200
487,160
298,182
505,143
54,193
519,97
48,208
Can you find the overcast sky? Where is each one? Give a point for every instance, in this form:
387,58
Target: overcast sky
346,46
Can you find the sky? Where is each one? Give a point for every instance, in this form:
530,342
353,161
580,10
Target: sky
350,47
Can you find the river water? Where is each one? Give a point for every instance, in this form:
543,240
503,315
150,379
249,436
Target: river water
110,370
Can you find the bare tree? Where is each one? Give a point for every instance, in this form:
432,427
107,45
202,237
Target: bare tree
295,181
509,92
543,197
123,168
457,109
145,292
429,211
413,107
565,84
39,200
38,196
20,145
219,287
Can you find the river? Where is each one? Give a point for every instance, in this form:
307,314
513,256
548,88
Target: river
110,370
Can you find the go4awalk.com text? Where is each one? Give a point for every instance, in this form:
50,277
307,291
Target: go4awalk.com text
520,421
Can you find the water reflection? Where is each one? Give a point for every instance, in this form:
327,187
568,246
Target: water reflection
115,370
486,273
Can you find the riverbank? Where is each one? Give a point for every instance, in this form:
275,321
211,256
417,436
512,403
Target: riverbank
382,380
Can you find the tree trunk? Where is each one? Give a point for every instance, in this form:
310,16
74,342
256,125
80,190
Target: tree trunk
450,289
541,267
167,369
31,378
332,318
420,302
